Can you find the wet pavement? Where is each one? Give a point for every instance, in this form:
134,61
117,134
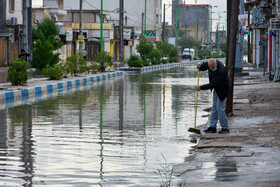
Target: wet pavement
249,155
115,134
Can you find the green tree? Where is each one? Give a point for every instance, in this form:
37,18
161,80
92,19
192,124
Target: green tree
204,54
164,47
188,42
45,43
144,47
223,47
104,59
156,56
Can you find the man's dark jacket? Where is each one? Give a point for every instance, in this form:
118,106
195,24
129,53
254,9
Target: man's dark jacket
218,80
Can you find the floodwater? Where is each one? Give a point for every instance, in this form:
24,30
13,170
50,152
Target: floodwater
118,133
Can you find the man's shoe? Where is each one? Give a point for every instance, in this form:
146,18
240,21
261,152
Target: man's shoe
210,130
224,131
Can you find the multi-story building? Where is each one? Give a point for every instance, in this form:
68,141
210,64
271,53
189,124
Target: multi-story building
133,18
264,39
11,21
186,19
133,11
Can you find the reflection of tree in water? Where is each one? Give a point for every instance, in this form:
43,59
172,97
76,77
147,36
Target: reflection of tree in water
22,116
139,82
226,169
18,115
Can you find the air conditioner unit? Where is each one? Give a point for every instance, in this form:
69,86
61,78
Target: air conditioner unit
13,21
275,24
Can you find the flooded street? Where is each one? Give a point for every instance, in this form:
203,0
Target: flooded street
114,134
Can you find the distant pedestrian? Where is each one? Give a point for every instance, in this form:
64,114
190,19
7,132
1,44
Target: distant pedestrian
85,54
23,55
219,83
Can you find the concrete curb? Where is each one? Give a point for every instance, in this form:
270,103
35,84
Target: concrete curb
154,68
21,96
26,95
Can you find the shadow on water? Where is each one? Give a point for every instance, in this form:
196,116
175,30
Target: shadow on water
112,134
226,170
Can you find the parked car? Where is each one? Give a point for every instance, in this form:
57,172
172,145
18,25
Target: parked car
188,53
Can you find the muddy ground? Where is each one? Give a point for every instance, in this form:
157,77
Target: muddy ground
250,154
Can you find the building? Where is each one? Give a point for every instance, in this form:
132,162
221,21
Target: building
54,10
186,20
265,31
133,21
133,12
11,30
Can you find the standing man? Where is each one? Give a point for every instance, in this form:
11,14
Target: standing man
219,83
23,55
85,54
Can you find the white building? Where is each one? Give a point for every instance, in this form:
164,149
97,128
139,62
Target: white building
133,10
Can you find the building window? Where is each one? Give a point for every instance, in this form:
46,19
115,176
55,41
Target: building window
157,17
12,5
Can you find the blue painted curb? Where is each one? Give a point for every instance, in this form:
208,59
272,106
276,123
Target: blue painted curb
21,96
153,68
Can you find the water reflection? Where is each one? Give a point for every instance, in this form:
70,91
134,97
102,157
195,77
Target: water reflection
111,135
101,136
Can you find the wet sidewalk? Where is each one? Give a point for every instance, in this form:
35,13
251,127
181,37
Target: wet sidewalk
249,155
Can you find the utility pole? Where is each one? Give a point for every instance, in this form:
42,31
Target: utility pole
81,25
163,24
208,28
249,37
176,24
121,32
232,21
142,28
25,23
145,21
195,25
101,26
30,32
218,30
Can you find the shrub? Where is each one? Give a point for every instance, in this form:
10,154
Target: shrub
204,54
215,55
93,67
76,64
147,62
135,61
53,72
104,59
17,72
164,47
67,68
164,61
173,52
173,59
155,56
144,48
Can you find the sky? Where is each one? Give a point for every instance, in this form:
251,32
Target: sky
220,3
